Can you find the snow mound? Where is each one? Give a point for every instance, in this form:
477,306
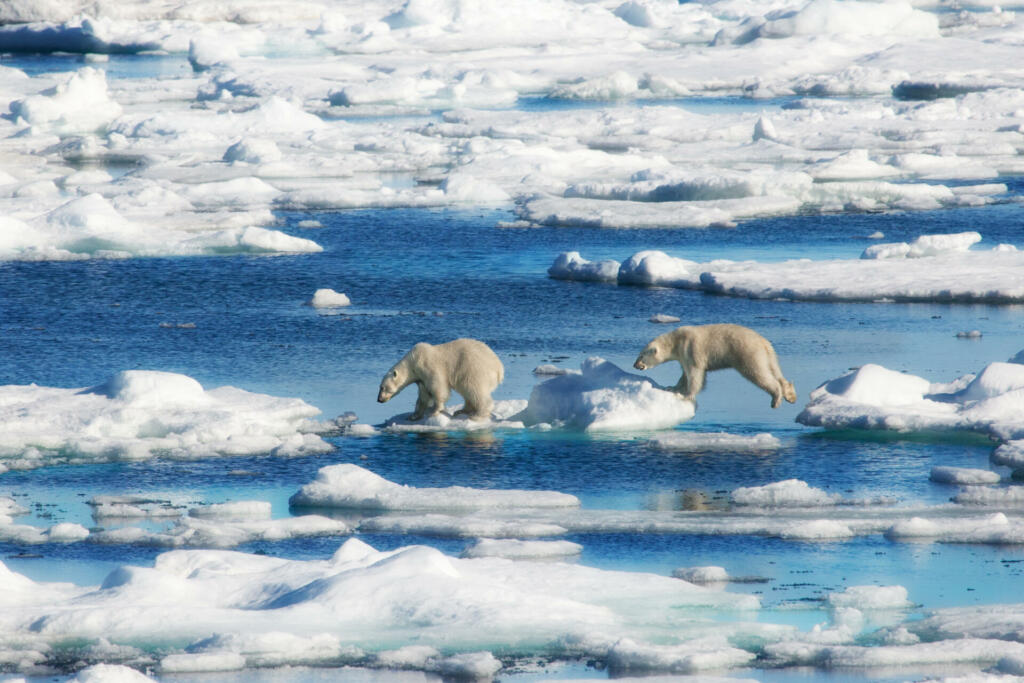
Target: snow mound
602,397
873,397
351,486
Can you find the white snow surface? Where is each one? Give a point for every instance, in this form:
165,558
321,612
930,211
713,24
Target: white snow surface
139,414
874,397
932,268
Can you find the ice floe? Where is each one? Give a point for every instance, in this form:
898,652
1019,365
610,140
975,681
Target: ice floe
965,476
603,397
351,486
522,550
328,298
714,442
932,268
874,397
358,601
139,414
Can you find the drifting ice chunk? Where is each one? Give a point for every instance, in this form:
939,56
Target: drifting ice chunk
603,397
714,442
522,550
351,486
328,298
689,658
870,597
788,493
571,266
963,476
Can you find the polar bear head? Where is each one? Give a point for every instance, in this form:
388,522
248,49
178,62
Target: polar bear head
396,379
655,353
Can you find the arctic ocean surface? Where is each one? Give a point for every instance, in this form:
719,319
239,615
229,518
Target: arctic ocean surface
224,221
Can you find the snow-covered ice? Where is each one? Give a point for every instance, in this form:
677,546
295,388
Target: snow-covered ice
874,397
328,298
931,268
345,608
603,397
139,414
714,442
351,486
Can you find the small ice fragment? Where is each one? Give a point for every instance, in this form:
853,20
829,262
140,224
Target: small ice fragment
963,476
328,298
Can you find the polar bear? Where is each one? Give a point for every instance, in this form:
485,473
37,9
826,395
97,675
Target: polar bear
702,348
468,366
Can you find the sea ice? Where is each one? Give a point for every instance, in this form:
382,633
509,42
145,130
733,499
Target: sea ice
328,298
351,486
964,476
714,442
870,597
932,268
603,397
788,493
873,397
351,605
522,550
139,414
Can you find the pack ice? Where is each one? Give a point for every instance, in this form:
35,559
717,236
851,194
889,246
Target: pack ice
317,105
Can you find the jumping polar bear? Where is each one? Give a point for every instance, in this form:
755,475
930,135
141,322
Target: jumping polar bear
468,366
702,348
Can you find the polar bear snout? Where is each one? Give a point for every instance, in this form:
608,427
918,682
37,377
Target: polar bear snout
383,396
639,364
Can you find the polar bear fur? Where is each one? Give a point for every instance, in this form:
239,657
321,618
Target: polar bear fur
468,366
703,348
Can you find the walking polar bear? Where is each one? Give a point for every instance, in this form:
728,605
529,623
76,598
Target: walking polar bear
703,348
468,366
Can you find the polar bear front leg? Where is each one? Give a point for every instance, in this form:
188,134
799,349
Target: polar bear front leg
424,403
692,381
